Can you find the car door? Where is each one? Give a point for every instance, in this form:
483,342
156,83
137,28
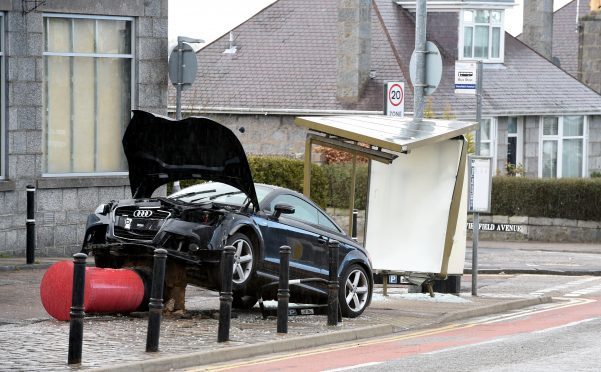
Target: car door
297,230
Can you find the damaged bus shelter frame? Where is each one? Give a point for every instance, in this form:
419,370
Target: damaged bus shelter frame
369,136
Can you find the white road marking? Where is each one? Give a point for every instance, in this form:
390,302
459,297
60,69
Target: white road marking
566,325
561,287
465,346
352,367
584,291
529,311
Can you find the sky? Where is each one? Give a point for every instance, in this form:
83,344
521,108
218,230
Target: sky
209,19
513,16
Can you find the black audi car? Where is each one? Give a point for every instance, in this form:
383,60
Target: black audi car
194,224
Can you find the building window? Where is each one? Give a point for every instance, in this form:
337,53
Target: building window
515,141
563,149
487,138
481,36
2,124
88,65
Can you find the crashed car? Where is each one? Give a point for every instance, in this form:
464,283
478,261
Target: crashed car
195,224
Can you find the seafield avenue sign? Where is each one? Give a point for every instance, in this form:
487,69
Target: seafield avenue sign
507,227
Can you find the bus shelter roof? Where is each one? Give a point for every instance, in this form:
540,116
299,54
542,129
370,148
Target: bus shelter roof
386,132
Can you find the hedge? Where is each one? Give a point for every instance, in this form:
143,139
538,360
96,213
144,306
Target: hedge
289,173
570,198
339,189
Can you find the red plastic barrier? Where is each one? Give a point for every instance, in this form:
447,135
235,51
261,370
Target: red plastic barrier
106,290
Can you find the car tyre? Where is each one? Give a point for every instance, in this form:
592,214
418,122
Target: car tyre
245,259
355,291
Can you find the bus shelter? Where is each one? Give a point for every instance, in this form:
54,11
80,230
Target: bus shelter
416,211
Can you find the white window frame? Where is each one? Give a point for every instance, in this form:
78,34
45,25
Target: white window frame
501,25
130,56
559,137
519,156
3,131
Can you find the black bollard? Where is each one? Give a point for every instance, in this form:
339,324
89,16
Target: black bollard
333,282
155,305
284,289
354,229
77,308
30,223
225,296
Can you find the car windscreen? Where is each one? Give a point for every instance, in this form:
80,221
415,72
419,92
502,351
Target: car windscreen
216,192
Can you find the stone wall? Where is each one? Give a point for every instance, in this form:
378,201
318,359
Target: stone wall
537,229
264,134
63,203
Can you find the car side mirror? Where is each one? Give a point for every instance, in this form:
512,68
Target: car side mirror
282,209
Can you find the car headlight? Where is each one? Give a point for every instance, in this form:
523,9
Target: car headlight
103,209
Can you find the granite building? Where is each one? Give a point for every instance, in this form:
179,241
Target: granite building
71,72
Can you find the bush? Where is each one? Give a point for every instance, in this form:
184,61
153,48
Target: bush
289,173
339,189
575,198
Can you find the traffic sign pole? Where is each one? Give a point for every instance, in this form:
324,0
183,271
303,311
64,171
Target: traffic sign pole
182,70
420,59
476,221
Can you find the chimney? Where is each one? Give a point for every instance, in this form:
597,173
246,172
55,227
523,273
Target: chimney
538,26
354,48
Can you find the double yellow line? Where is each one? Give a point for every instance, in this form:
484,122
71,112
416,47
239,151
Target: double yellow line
427,332
343,346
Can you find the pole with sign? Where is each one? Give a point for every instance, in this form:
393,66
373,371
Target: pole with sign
476,231
182,73
394,96
465,77
480,183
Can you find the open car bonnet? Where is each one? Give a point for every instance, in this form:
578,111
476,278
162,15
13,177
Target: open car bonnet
160,150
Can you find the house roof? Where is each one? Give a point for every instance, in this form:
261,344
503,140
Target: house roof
286,62
565,34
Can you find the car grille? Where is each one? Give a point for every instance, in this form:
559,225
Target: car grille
135,226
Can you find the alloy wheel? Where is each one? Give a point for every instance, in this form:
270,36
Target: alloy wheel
356,290
243,261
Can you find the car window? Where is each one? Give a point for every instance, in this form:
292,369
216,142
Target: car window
302,210
326,222
216,192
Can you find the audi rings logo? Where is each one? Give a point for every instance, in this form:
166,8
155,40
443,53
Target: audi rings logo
143,213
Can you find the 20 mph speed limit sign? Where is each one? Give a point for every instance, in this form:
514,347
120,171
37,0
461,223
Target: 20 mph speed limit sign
394,96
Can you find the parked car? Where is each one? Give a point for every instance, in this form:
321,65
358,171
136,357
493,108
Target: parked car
196,223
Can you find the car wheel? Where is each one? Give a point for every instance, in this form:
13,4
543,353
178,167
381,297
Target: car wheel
243,301
354,292
244,260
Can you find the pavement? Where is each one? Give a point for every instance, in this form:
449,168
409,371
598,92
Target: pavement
31,340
